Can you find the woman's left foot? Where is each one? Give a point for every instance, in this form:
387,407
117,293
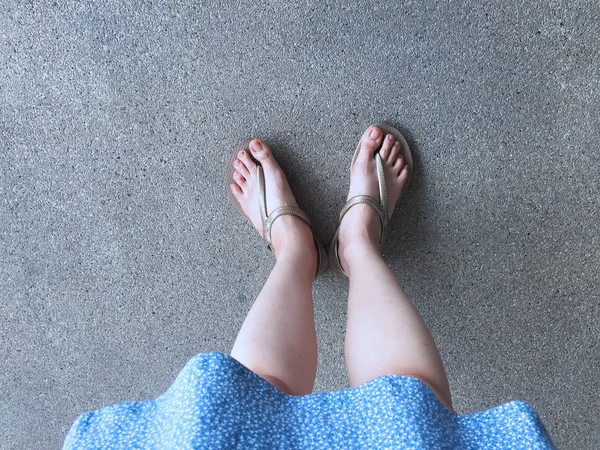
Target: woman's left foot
361,226
289,232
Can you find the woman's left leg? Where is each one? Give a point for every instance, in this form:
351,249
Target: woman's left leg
277,340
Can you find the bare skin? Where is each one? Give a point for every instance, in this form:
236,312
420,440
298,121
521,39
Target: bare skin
278,339
385,334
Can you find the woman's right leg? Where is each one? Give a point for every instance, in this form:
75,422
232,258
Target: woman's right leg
277,340
385,333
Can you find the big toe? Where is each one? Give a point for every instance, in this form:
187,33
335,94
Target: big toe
370,143
261,151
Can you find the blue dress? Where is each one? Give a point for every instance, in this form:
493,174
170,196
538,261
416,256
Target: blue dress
217,403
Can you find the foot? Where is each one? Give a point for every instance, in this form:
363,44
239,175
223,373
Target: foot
361,227
289,234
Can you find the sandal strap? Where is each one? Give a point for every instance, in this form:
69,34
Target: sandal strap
281,211
267,220
262,195
379,206
371,202
383,192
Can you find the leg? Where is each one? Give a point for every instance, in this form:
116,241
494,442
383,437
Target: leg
277,340
385,333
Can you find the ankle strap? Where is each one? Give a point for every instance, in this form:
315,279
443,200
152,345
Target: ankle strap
358,199
281,211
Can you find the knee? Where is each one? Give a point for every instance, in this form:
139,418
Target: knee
283,386
441,392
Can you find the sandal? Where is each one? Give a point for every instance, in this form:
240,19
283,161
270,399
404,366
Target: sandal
268,219
380,206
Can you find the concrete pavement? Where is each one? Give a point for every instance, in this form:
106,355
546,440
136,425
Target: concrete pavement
120,257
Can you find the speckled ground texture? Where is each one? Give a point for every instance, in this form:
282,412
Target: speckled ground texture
120,257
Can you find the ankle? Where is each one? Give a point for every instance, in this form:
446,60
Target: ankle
304,260
293,243
356,252
359,235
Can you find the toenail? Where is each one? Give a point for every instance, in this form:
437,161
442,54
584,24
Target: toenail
390,137
374,134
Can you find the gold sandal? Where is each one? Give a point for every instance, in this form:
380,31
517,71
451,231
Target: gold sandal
268,219
380,206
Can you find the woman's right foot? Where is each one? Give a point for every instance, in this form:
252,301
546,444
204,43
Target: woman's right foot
360,229
289,234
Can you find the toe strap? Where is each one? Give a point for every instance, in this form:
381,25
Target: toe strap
267,221
378,205
281,211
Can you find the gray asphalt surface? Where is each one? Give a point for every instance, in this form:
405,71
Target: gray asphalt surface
120,257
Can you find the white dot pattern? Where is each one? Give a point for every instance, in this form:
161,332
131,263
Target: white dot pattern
217,403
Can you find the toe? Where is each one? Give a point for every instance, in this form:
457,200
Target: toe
386,147
241,168
370,142
397,165
261,151
239,179
394,153
236,191
403,176
246,160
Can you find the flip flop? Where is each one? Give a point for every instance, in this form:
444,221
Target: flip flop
380,206
268,219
